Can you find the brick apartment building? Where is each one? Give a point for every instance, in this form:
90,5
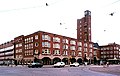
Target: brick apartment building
110,52
51,48
7,52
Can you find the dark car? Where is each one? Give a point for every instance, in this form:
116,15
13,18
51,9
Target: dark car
35,65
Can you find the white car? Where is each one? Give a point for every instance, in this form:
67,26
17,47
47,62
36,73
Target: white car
75,64
59,64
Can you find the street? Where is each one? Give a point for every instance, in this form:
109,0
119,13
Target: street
50,71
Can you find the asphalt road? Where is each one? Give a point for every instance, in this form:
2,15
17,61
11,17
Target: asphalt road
50,71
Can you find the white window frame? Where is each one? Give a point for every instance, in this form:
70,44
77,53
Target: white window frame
56,45
73,42
36,36
56,52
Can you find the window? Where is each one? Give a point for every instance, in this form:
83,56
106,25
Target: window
20,50
80,25
79,43
80,48
111,56
25,40
17,56
20,44
45,44
104,56
16,51
101,48
56,45
80,21
36,52
85,44
65,41
107,52
45,51
90,45
79,54
16,45
104,48
46,37
72,47
101,56
36,36
80,37
27,46
90,55
89,34
73,53
85,39
117,48
104,52
56,39
36,44
56,52
111,52
31,39
73,42
95,53
85,50
111,48
65,52
101,52
80,29
25,53
20,56
30,52
65,46
31,45
107,48
91,50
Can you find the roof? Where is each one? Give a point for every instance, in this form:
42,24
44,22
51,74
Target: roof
96,45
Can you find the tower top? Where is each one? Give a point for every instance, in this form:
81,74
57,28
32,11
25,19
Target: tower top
87,13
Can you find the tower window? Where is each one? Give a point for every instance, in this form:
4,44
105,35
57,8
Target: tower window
80,21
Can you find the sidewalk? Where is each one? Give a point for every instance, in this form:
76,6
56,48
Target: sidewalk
112,69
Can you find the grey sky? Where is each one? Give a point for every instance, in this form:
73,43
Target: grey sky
19,17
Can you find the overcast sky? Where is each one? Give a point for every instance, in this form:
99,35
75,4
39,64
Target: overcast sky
23,17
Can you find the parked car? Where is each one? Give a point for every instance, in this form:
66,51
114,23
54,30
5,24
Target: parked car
59,64
75,64
35,65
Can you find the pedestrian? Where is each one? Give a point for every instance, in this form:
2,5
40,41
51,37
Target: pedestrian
104,65
15,62
107,64
85,63
101,62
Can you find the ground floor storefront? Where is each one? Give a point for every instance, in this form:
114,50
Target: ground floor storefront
48,60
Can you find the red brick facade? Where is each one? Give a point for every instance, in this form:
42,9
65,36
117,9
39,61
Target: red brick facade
110,51
51,48
47,45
